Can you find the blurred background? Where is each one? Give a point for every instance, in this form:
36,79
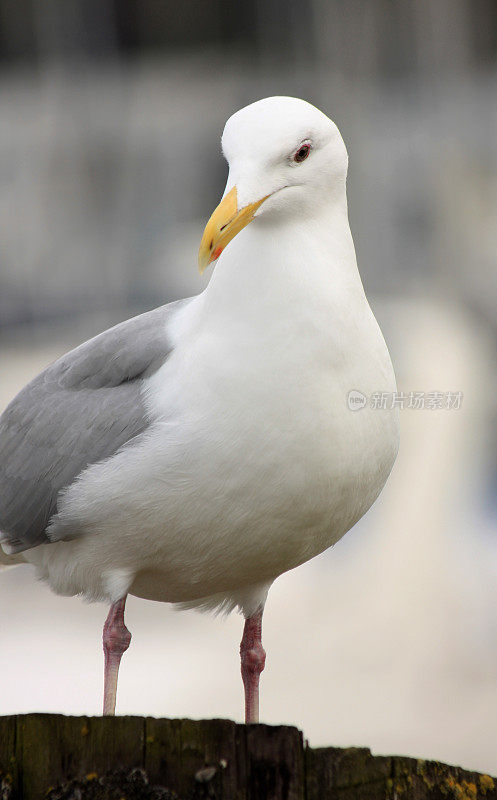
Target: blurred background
110,164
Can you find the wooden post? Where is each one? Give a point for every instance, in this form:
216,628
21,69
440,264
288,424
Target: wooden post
53,757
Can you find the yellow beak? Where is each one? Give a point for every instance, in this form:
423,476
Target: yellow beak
223,226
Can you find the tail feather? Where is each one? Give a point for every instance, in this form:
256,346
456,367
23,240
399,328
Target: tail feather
8,559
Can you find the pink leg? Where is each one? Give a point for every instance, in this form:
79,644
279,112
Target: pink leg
116,639
253,658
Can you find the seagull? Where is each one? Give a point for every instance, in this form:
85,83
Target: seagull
196,452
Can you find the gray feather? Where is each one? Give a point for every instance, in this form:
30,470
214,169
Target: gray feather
78,411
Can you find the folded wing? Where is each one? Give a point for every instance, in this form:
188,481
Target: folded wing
78,411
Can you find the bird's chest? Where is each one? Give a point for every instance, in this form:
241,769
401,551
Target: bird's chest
271,447
300,447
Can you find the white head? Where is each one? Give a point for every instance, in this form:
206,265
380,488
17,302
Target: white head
283,142
285,158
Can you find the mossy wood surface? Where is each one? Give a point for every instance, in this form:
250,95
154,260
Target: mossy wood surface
55,757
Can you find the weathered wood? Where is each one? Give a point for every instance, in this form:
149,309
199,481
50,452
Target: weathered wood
52,747
343,774
275,762
9,774
179,750
417,779
96,758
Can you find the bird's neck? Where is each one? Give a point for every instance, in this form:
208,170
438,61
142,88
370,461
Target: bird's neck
285,267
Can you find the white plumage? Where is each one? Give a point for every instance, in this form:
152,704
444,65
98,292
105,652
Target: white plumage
251,462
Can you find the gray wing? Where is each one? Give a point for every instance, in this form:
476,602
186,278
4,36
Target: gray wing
80,410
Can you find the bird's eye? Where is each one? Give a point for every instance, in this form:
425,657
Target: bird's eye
302,153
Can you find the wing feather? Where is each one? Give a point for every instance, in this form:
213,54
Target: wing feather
79,410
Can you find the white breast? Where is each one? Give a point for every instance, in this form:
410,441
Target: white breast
253,463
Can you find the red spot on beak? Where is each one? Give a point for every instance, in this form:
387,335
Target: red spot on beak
217,252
